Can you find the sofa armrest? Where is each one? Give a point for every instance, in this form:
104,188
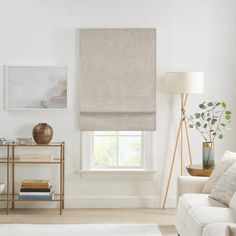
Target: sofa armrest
189,184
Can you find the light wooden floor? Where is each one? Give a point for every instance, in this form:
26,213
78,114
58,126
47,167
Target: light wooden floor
164,218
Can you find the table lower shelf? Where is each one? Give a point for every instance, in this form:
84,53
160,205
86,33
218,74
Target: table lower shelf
3,198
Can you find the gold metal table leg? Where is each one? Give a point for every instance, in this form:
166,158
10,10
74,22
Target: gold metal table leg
13,176
8,154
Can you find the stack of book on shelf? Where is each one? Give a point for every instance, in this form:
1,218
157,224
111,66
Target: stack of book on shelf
36,190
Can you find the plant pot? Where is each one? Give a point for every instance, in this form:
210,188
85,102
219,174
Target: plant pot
208,155
42,133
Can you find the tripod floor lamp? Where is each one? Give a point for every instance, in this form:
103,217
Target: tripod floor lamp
182,83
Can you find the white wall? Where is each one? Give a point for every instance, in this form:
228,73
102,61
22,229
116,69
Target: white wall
193,35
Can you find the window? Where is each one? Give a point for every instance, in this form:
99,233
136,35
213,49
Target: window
117,151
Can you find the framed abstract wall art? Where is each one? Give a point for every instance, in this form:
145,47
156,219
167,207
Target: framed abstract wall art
36,87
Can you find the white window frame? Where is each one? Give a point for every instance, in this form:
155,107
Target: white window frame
146,172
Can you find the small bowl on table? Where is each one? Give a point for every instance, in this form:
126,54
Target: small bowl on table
2,186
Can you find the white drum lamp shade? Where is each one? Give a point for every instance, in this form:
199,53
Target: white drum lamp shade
184,82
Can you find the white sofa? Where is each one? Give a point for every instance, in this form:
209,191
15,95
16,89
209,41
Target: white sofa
197,214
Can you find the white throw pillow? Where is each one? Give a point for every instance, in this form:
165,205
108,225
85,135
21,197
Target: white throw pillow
226,186
226,162
229,154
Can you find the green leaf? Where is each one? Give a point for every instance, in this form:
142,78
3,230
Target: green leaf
222,124
228,113
191,126
214,133
228,117
205,125
218,103
221,136
223,104
210,104
197,115
198,124
202,106
213,121
208,119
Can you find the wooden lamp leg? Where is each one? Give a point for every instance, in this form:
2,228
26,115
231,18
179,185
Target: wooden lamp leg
186,128
172,163
179,133
188,142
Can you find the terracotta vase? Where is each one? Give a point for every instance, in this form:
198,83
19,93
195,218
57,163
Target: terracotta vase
42,133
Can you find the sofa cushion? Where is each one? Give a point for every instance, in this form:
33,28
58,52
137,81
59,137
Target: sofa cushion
229,154
199,217
216,229
188,201
218,172
226,186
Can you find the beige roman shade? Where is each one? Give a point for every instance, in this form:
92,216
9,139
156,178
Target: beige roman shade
117,74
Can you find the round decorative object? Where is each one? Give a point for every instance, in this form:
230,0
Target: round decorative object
42,133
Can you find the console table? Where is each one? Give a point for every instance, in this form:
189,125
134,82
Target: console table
11,196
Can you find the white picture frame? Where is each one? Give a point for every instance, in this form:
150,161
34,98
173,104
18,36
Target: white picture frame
36,87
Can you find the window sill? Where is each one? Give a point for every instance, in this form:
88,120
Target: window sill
117,174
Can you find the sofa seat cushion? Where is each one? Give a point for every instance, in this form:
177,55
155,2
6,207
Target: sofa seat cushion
187,201
199,217
216,229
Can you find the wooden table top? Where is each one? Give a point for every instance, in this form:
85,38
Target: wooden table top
198,170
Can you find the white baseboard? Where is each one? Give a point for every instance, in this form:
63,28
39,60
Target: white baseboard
118,202
102,202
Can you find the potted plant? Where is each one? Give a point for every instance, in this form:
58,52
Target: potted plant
210,121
